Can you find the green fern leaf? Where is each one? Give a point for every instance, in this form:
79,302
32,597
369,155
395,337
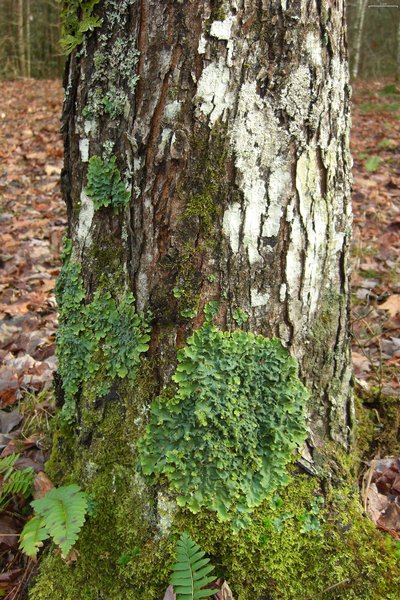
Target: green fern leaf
19,482
32,536
191,572
63,511
7,465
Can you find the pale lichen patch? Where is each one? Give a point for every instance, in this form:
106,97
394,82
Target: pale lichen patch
295,99
86,214
231,225
166,510
201,49
172,110
222,29
308,253
279,188
84,149
259,298
257,138
213,97
314,49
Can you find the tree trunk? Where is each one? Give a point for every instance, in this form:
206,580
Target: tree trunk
398,54
360,17
21,37
28,68
228,124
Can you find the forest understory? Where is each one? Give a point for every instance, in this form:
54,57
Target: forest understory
32,224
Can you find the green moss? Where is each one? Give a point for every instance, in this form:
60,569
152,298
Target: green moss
202,192
364,429
76,19
341,557
276,557
219,12
378,418
124,516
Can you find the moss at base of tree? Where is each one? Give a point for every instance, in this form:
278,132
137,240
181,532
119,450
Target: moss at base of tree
296,548
378,424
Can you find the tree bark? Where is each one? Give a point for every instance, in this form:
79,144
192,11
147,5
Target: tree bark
28,69
229,124
360,17
398,54
21,37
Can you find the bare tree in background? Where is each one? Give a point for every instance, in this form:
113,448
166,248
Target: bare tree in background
359,28
29,39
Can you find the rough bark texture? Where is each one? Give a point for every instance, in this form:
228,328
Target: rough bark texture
229,121
235,142
362,6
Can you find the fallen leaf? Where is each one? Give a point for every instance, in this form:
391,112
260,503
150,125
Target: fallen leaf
170,594
361,364
376,503
9,531
392,305
72,557
225,593
42,485
52,170
390,519
9,420
10,576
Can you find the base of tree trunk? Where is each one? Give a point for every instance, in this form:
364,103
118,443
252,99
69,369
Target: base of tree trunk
311,541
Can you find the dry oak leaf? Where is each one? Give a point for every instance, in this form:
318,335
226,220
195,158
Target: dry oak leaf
9,531
170,594
392,305
361,364
225,592
42,485
376,503
390,519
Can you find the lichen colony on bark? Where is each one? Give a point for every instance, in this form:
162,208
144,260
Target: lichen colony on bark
231,131
227,121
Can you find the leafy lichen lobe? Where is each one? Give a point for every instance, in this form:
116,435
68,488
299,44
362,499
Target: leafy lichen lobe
224,439
98,341
104,184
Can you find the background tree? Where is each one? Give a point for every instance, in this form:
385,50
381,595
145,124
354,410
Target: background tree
372,38
207,177
361,8
29,34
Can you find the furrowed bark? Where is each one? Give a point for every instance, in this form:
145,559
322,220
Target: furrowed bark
229,122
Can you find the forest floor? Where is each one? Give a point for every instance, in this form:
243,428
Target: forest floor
32,223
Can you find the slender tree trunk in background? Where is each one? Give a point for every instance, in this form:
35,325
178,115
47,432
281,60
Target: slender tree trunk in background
28,38
361,10
398,53
21,37
229,124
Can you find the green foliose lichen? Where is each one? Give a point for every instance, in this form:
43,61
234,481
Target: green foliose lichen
96,342
104,184
224,439
76,19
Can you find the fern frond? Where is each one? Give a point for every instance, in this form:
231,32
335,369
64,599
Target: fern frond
63,511
7,464
32,536
19,482
191,571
